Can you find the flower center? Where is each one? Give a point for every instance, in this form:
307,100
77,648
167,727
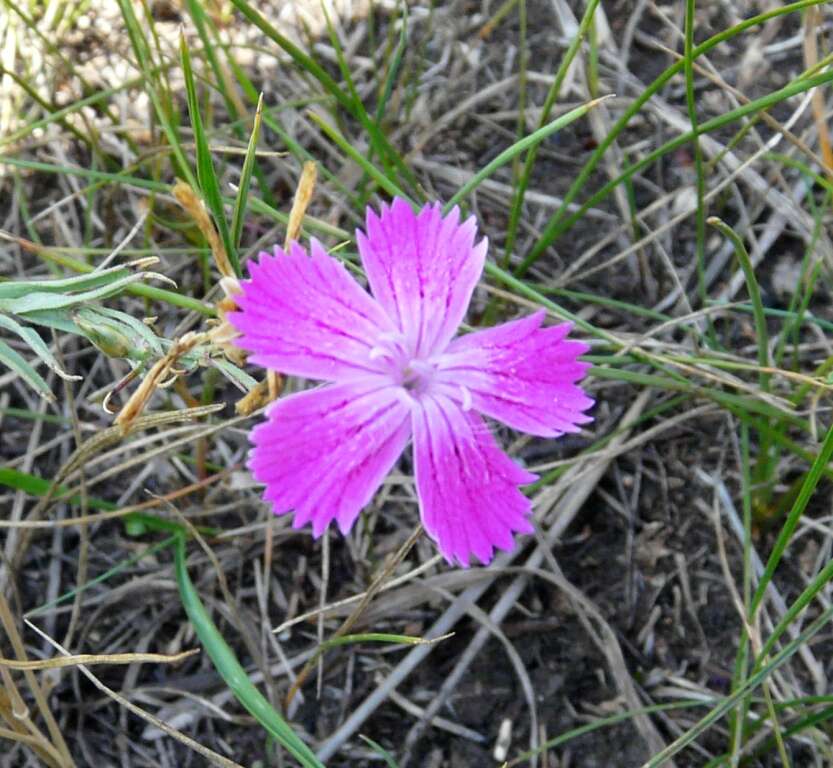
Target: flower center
393,355
416,377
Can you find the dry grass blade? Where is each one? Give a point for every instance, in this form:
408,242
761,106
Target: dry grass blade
89,659
55,747
812,21
195,207
586,638
210,755
350,621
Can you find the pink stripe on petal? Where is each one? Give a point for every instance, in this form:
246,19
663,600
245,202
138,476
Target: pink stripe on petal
423,269
307,316
468,488
521,374
324,453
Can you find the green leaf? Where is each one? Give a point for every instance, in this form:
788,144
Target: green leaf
230,669
559,223
36,344
37,301
245,177
153,87
528,142
12,359
206,176
236,376
15,289
381,751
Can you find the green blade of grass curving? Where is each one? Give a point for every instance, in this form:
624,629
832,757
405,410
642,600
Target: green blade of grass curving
604,722
700,181
558,223
17,363
385,182
381,751
754,296
33,340
103,177
230,669
808,487
242,197
352,105
209,185
141,49
731,701
526,143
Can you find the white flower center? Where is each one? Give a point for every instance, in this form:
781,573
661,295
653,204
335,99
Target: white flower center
392,354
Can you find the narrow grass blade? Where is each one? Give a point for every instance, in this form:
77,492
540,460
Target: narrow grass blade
307,63
226,663
378,637
103,577
380,178
528,142
559,222
754,296
381,751
209,185
730,702
546,109
39,486
801,602
13,360
393,67
15,289
36,344
604,722
344,68
138,41
700,182
127,180
811,480
245,178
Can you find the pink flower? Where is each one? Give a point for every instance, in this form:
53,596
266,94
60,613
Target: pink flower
397,373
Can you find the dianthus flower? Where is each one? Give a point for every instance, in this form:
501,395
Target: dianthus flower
396,373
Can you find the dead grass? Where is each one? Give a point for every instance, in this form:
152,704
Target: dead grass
627,613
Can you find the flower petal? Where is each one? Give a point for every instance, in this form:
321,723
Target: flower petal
325,452
422,268
307,316
468,488
521,374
